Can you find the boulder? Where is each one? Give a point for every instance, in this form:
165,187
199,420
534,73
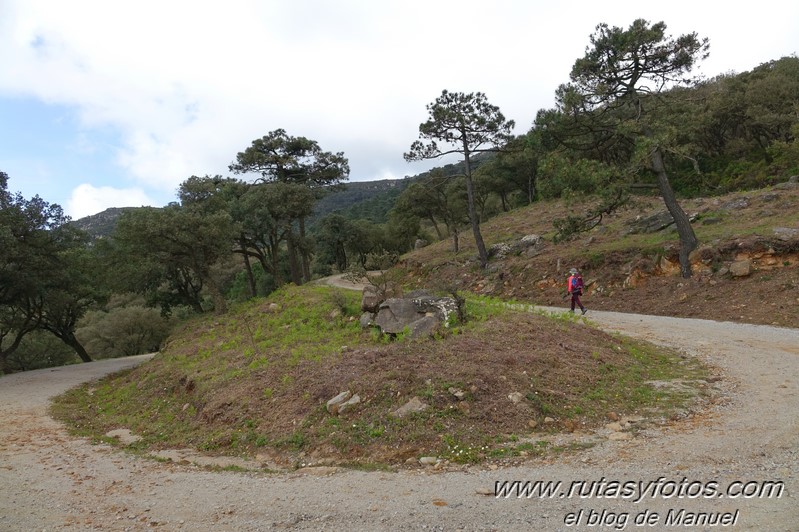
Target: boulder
736,204
529,241
423,327
411,407
334,404
442,307
499,251
367,320
349,403
786,233
651,224
741,268
371,299
395,314
421,315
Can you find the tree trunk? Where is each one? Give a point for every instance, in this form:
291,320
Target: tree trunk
305,254
478,237
5,368
271,260
294,266
220,304
71,341
455,241
250,276
688,241
248,268
341,258
504,199
197,306
435,226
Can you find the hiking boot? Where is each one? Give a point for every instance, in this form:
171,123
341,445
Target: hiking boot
584,311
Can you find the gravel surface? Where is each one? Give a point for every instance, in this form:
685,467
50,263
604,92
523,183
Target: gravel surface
51,481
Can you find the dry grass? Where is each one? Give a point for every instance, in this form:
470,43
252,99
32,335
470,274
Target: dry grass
608,256
256,381
253,383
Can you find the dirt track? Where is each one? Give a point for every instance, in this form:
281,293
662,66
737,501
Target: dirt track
49,481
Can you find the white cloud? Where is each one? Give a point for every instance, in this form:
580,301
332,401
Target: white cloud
186,85
86,199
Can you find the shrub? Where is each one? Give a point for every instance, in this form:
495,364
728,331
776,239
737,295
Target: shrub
122,331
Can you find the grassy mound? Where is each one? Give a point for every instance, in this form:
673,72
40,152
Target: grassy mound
257,381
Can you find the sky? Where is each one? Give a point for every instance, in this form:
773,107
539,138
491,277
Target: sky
115,103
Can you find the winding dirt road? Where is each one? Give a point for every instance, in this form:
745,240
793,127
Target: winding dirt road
749,443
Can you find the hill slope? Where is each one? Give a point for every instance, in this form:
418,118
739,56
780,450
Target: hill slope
256,382
634,271
102,224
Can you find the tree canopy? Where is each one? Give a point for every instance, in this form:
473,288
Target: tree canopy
40,272
280,158
614,91
466,124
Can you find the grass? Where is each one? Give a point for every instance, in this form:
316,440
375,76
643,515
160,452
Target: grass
258,379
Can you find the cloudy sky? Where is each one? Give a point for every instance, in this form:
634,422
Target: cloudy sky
114,103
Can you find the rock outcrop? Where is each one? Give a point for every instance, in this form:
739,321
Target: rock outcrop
420,314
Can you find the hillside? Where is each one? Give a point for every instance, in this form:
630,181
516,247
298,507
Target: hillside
745,268
102,224
254,383
370,200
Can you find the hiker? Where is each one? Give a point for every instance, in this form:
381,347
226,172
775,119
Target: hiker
574,288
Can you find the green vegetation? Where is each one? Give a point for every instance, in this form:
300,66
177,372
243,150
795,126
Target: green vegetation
260,376
255,375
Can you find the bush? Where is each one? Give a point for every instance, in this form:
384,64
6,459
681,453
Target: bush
40,349
122,331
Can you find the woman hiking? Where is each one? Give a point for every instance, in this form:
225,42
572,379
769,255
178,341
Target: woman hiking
574,288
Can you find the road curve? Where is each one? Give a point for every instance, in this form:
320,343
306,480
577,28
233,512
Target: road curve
50,481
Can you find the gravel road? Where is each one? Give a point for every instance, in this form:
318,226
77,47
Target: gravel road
50,481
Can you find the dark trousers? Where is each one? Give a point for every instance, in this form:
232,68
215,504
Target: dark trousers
576,300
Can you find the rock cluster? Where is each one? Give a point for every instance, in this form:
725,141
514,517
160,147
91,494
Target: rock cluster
419,313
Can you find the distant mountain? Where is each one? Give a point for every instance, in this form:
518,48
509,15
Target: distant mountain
102,224
370,200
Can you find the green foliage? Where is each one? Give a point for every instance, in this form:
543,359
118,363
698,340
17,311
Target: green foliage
466,124
283,158
439,199
342,242
264,284
123,331
366,200
563,175
611,198
785,154
45,275
169,254
40,349
291,164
